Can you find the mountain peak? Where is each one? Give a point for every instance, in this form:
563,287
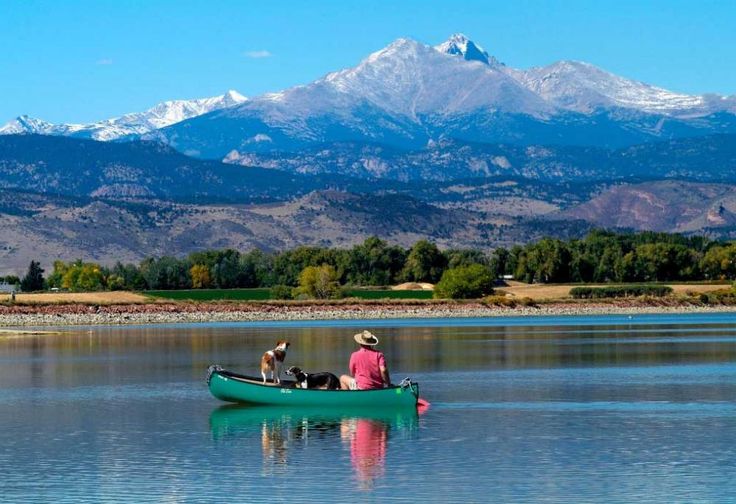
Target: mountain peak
24,124
399,46
233,97
460,45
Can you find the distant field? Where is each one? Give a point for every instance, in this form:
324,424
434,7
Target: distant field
213,294
265,294
539,292
114,297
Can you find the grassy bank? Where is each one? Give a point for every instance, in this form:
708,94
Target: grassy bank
265,294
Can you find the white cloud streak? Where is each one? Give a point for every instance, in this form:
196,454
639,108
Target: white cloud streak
257,54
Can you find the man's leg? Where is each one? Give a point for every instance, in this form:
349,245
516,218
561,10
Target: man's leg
345,382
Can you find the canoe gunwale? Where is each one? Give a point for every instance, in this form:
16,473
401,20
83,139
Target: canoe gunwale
287,384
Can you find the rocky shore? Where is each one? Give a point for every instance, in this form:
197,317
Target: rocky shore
168,313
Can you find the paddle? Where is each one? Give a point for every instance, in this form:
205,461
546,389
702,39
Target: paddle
422,405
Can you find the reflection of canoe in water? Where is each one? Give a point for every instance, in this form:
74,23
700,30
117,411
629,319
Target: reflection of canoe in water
233,387
285,432
240,418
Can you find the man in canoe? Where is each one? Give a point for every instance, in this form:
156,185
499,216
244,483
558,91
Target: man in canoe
367,366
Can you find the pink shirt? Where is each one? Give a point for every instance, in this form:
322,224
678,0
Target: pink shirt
365,366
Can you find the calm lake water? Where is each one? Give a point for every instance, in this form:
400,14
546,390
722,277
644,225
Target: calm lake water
565,409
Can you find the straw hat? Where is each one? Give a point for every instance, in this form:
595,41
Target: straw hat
366,338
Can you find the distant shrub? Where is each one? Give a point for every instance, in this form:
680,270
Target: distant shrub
499,300
465,282
719,297
620,291
527,301
281,292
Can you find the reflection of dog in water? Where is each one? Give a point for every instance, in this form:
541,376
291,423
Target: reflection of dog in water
280,435
274,442
324,381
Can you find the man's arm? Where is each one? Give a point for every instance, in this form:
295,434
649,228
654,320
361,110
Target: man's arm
384,375
351,366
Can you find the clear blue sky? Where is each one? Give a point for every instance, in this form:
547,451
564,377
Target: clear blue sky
78,61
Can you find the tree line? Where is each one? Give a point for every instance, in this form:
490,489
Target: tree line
600,256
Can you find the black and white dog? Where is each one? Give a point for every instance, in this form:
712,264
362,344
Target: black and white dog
325,381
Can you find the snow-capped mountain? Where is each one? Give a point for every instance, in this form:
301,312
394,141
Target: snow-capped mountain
408,94
581,87
137,123
399,95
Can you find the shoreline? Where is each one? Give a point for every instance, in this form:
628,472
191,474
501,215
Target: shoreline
183,313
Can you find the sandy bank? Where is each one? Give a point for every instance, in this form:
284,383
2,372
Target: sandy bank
167,313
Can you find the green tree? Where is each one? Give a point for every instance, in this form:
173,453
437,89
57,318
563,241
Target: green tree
546,261
33,281
512,260
425,263
319,282
130,275
663,261
256,269
54,279
719,262
499,263
226,273
373,262
465,257
166,273
465,282
115,282
288,265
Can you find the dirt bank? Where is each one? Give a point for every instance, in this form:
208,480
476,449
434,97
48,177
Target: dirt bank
185,312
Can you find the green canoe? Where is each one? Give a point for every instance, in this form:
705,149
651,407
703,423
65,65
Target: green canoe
236,388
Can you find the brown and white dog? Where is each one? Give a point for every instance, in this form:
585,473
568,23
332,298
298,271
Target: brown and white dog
273,360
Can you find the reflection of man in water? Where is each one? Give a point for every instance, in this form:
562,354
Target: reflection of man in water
368,440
